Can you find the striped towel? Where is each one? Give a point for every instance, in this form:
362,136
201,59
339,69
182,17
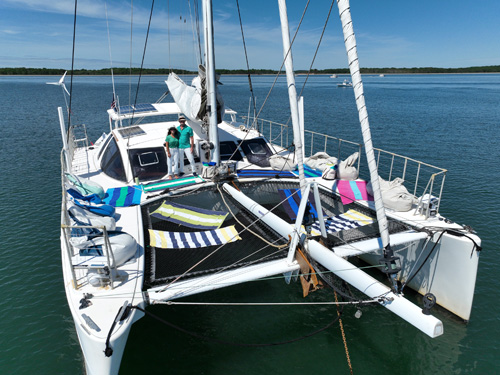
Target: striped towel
264,173
351,191
123,197
309,172
173,184
348,220
293,198
192,240
188,216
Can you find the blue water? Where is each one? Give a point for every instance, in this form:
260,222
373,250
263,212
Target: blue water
447,120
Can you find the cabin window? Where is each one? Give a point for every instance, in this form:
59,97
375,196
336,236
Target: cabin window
257,151
148,164
112,163
106,142
227,149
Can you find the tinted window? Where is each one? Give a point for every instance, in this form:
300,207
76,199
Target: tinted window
257,151
227,149
148,164
111,162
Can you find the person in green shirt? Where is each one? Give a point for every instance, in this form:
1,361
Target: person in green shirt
172,147
186,145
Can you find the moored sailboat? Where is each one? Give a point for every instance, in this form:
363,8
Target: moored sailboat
130,237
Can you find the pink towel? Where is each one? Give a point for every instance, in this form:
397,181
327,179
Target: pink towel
351,191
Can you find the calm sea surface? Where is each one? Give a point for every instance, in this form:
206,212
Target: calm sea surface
451,121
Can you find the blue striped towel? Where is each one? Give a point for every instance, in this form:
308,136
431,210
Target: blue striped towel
293,198
309,172
192,240
123,197
173,184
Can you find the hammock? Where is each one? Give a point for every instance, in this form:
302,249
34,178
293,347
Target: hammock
188,216
192,240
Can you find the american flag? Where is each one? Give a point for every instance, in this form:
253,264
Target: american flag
113,103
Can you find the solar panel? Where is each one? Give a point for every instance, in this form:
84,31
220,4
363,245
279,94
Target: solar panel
139,108
126,109
133,131
145,107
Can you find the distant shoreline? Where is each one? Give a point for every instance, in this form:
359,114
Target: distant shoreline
23,71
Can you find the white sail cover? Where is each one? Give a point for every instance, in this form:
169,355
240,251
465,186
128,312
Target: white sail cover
352,54
188,98
192,99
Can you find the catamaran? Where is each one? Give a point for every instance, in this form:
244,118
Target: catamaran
254,208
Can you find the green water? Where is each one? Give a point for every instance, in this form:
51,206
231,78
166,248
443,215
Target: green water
450,121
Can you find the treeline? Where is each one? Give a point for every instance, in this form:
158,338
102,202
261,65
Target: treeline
164,71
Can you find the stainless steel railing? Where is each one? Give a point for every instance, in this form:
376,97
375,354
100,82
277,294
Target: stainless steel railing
421,179
66,231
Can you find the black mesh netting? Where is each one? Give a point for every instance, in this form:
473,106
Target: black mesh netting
163,265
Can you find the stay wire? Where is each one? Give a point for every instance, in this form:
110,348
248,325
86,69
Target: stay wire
246,58
130,58
278,74
72,68
142,62
232,343
317,47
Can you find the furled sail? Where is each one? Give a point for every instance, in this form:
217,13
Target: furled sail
192,100
389,260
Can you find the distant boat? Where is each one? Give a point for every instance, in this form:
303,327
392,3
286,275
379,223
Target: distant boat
381,75
346,83
333,76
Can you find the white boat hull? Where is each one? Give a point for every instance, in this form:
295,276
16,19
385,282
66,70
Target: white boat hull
449,273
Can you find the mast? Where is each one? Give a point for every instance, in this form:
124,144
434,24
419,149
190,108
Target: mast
350,44
211,79
292,92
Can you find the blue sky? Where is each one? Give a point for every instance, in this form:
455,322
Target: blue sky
390,33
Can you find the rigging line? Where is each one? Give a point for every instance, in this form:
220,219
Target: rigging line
246,58
248,228
197,18
317,48
72,68
270,278
193,30
142,62
266,303
284,59
278,74
130,59
206,338
109,48
315,53
168,34
217,280
216,250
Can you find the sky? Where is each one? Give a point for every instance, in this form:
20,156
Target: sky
389,33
